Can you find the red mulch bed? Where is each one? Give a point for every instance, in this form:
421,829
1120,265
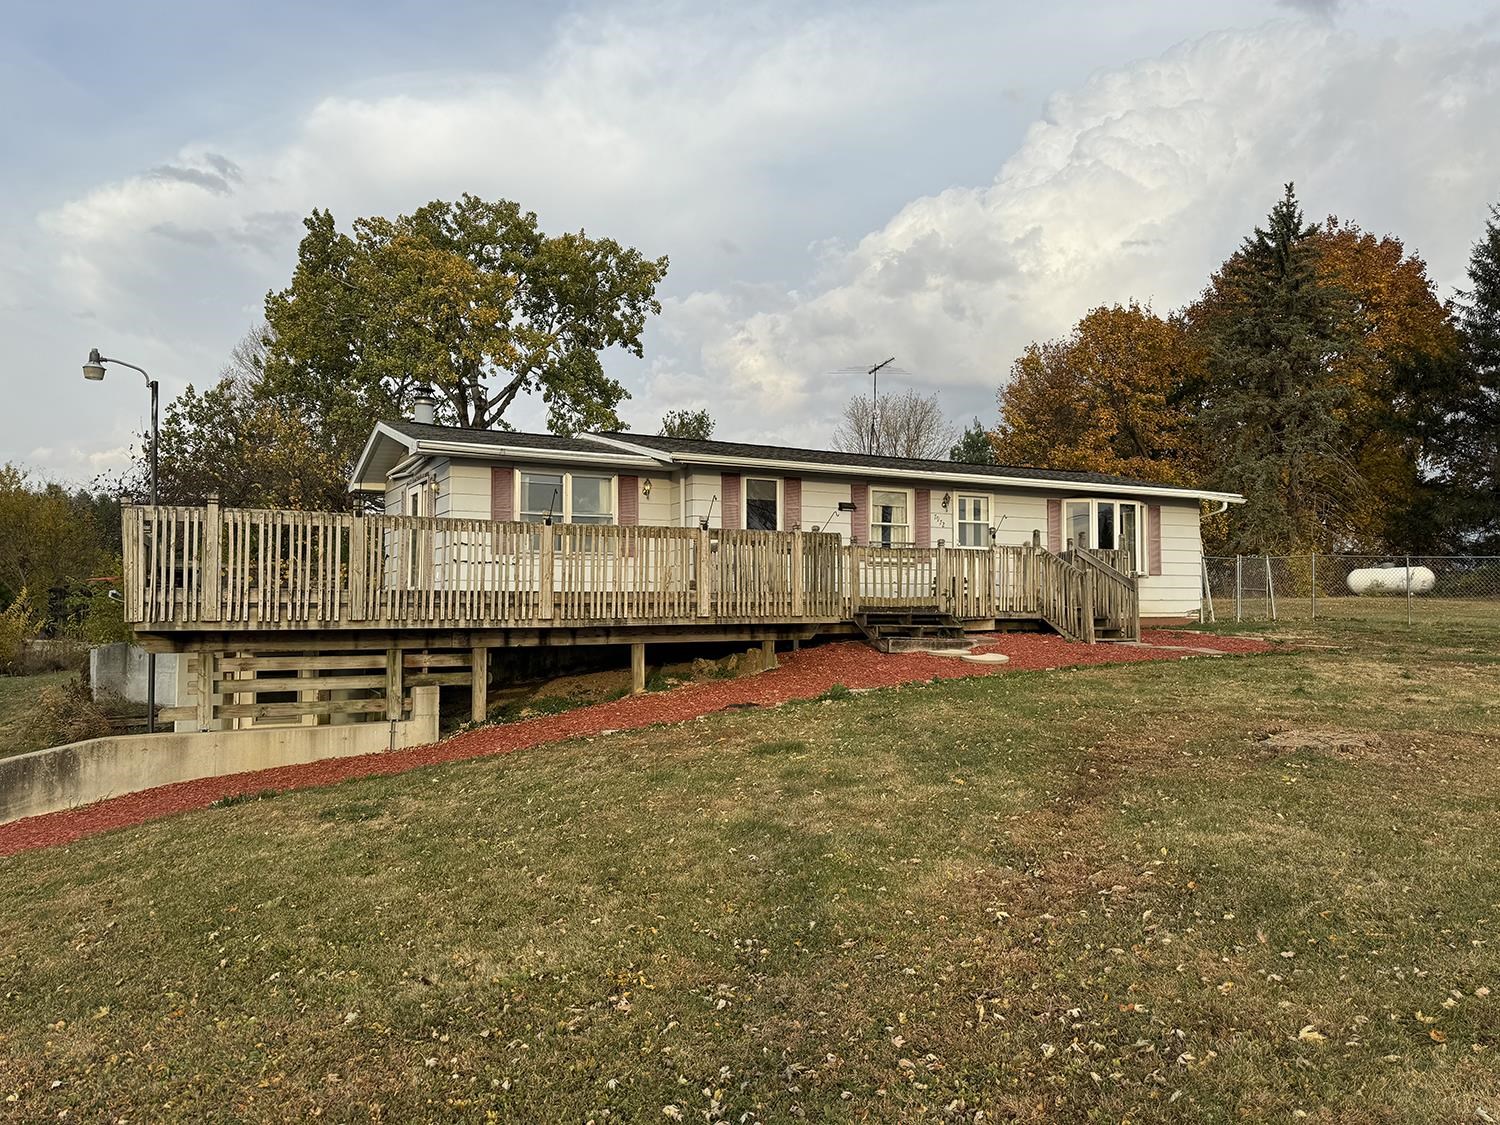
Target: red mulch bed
802,675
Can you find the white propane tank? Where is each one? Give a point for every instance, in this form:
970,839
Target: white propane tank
1391,579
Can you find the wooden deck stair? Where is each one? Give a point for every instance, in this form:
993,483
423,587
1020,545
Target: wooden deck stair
897,630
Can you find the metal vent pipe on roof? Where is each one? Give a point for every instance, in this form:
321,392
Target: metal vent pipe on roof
422,410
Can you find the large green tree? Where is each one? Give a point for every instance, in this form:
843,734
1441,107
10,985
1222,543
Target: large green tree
1404,365
468,298
1466,454
1104,398
1273,406
240,441
54,540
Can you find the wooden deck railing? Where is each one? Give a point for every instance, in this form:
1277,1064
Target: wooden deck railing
213,569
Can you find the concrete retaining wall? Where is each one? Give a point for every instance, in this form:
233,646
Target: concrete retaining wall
120,669
84,772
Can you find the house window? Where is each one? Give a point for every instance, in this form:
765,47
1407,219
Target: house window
590,499
567,498
1078,514
761,507
541,497
890,525
973,521
415,496
1108,525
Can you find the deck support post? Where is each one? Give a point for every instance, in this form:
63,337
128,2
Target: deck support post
768,655
637,668
479,683
393,702
205,690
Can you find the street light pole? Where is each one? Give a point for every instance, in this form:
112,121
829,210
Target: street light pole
94,370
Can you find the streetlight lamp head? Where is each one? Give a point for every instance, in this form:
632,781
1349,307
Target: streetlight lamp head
94,368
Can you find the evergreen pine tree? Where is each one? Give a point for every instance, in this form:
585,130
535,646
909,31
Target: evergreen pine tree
1470,455
974,447
1271,407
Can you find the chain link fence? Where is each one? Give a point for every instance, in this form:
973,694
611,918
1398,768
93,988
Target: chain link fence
1399,589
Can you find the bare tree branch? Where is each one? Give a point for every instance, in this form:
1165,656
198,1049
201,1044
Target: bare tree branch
899,425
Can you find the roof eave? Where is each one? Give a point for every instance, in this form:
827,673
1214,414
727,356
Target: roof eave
963,478
523,453
381,430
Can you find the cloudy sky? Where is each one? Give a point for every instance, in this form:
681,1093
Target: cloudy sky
834,183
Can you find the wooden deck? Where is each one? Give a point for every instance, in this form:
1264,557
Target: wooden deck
207,569
247,587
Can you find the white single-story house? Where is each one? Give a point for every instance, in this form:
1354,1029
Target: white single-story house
421,469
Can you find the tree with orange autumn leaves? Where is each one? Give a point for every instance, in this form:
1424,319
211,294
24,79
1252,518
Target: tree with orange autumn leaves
1137,394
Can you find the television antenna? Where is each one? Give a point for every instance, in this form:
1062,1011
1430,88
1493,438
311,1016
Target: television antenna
873,371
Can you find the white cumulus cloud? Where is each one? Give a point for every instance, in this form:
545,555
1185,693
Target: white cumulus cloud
1136,184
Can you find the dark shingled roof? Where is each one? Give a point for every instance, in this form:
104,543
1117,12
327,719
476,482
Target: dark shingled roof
685,448
690,446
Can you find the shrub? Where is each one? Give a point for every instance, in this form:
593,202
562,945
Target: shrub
19,623
68,713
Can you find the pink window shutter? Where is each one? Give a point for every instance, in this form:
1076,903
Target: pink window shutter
1153,538
729,499
1054,526
923,517
502,493
791,490
859,522
630,501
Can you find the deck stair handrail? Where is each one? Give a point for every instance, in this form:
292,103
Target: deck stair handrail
1113,596
1061,594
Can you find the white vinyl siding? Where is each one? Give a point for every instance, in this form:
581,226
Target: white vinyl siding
1177,590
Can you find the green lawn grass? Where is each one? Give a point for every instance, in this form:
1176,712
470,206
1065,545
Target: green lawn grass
18,731
1208,890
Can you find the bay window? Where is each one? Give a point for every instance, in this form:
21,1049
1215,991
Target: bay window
566,498
1108,525
890,523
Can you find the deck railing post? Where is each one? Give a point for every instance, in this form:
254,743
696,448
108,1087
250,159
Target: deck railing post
854,578
545,561
797,591
359,576
210,581
702,556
